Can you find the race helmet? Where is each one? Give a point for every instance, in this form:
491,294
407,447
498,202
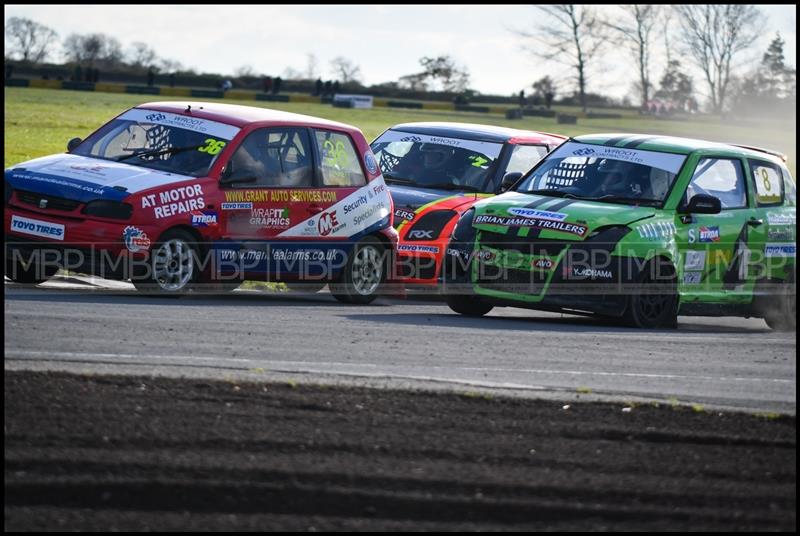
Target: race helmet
435,156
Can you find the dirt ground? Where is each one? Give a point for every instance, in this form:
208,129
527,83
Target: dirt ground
143,453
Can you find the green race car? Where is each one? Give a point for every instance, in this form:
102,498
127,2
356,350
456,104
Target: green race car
640,228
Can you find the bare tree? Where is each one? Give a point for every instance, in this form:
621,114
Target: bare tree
572,35
545,90
170,66
93,48
28,39
452,77
244,71
141,55
713,34
637,30
345,70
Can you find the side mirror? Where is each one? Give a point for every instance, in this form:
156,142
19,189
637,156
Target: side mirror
509,179
229,177
703,204
71,144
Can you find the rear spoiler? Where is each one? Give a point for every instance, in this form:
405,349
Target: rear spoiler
780,155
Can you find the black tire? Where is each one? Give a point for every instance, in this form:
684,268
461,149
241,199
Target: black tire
781,313
468,305
653,302
308,287
172,268
31,274
362,277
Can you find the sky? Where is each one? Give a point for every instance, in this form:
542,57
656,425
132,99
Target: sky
385,41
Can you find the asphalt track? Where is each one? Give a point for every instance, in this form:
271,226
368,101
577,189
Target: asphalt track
86,325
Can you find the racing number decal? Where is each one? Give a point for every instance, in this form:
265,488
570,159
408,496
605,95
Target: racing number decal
212,146
765,180
335,154
478,161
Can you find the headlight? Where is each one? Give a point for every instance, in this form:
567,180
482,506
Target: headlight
108,209
429,226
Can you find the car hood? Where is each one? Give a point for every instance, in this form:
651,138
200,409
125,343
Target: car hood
409,197
83,179
551,217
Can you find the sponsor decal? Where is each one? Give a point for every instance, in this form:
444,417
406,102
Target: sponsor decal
360,215
537,223
369,161
204,218
533,213
270,218
414,248
780,250
368,214
407,215
280,196
694,260
485,255
692,278
350,207
668,162
135,239
657,230
175,201
782,235
328,223
487,149
283,254
542,264
709,234
780,219
236,206
421,234
591,273
213,128
34,227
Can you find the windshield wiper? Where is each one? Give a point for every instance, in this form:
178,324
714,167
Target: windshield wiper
394,178
551,193
157,152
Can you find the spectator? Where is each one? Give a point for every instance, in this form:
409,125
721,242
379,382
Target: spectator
172,80
226,85
267,84
335,87
522,101
318,87
150,76
276,87
328,89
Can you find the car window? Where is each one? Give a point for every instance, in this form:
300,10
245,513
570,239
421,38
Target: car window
768,183
721,177
275,157
524,157
789,188
339,160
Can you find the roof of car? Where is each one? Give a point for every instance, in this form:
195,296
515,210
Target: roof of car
240,116
471,131
672,144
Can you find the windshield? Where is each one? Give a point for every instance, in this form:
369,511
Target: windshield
435,161
601,173
158,140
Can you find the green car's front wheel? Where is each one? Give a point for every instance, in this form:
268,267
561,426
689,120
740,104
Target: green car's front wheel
468,305
653,301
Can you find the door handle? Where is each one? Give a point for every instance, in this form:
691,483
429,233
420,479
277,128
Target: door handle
315,209
754,222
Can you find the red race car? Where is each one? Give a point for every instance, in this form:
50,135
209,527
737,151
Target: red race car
437,171
174,194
